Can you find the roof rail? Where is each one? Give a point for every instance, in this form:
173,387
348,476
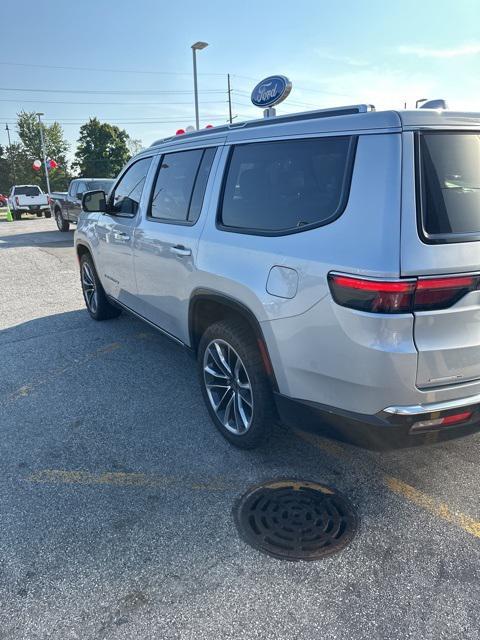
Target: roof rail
290,117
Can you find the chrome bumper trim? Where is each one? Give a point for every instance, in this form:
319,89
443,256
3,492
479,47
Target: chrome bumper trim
418,409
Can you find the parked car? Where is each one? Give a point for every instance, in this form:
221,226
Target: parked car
67,205
28,198
3,200
324,269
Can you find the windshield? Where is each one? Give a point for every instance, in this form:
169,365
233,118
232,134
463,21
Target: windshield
104,185
27,191
450,186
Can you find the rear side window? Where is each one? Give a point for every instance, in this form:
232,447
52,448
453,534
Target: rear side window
27,191
449,186
286,186
180,185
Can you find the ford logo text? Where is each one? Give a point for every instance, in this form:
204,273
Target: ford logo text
271,91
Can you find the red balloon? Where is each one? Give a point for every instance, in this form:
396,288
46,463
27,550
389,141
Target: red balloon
209,126
53,164
180,132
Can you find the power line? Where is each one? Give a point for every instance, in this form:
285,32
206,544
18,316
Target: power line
170,121
309,89
135,71
119,92
107,103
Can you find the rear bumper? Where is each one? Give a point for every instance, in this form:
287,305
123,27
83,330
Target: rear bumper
388,429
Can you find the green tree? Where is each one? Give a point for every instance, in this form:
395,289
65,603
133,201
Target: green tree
102,150
16,168
30,149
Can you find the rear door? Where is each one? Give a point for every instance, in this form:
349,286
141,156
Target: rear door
166,241
75,203
69,199
441,244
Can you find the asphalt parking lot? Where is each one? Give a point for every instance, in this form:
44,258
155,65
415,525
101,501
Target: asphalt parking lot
116,493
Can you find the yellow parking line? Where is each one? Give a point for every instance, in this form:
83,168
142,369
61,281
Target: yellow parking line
439,509
122,479
406,491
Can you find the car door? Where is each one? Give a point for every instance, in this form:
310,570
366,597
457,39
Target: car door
67,203
75,203
166,241
115,233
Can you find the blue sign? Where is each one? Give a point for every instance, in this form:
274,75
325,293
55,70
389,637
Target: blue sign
271,91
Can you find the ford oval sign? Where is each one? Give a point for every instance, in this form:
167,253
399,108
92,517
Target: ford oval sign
271,91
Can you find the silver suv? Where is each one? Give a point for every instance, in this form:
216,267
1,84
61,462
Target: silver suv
324,269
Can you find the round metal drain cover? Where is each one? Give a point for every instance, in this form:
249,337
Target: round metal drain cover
295,520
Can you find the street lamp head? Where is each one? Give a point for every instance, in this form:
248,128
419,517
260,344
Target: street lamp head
199,45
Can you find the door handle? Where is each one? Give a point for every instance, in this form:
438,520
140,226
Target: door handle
121,235
180,250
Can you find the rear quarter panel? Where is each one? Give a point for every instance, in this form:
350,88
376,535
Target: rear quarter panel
363,240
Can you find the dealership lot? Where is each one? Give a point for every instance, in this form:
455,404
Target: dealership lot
116,493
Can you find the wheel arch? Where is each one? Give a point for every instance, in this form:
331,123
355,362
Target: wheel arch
209,306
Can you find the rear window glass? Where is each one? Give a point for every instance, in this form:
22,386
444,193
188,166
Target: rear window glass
450,186
275,187
27,191
103,185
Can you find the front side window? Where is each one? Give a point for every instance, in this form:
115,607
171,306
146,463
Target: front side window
128,192
449,172
180,185
81,188
275,187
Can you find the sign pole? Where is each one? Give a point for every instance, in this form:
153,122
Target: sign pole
229,99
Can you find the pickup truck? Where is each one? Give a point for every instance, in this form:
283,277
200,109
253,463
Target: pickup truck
67,206
28,198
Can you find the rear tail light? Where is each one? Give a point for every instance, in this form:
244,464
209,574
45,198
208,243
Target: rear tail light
400,296
17,201
447,421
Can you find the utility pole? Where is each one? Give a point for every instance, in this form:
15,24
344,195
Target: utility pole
229,99
43,151
10,147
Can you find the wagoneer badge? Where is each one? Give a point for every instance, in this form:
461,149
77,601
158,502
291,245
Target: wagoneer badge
271,91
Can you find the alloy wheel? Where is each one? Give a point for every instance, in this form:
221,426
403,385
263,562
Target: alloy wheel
89,287
228,387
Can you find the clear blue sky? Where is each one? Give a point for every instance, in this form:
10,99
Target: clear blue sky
345,52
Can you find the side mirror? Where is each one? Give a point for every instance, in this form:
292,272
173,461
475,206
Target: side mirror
94,202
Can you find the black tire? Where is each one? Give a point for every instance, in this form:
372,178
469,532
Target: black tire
38,214
48,214
17,215
62,224
96,301
240,339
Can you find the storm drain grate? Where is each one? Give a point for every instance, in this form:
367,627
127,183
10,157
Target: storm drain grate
295,520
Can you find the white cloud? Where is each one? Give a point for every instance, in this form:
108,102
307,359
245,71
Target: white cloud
426,52
353,62
384,87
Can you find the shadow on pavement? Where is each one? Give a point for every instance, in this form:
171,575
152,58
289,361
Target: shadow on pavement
35,238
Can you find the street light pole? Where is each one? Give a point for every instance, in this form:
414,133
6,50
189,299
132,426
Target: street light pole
229,99
43,151
197,46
